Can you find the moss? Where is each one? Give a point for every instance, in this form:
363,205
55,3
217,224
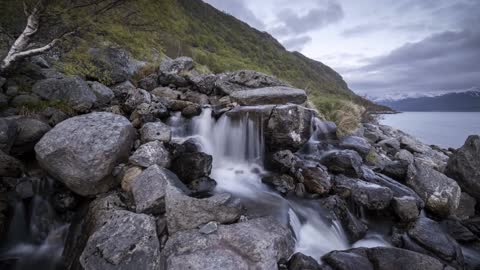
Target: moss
37,107
371,157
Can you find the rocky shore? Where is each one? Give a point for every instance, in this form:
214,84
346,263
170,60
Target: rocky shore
118,182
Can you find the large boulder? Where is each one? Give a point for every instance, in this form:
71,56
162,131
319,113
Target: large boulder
440,193
464,164
82,151
115,64
155,131
382,258
184,212
289,127
356,143
71,90
177,65
372,196
191,166
8,132
230,82
346,162
126,241
254,244
29,132
269,95
103,93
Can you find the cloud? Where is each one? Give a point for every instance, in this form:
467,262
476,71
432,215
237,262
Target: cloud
238,9
296,43
293,23
363,29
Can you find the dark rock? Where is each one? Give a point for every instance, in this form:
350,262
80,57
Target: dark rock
209,228
167,92
404,155
9,166
230,82
345,162
3,101
440,193
178,65
72,90
202,187
24,100
149,83
289,127
405,208
466,207
120,90
103,93
372,196
282,183
57,117
348,260
155,131
397,169
269,95
8,132
390,145
195,97
191,166
204,84
82,151
254,244
136,97
191,110
148,112
325,130
413,145
300,261
29,132
172,80
356,143
152,153
115,62
464,164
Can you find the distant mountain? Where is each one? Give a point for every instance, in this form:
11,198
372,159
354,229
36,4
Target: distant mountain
467,101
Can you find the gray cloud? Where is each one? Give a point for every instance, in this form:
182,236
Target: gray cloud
296,43
363,29
238,9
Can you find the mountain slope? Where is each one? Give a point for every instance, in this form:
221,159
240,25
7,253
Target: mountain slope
453,102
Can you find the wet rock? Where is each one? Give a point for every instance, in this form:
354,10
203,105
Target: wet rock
24,100
396,169
195,97
173,80
72,90
167,92
155,131
178,65
464,166
136,97
345,162
202,187
300,261
372,133
254,244
289,127
191,166
179,105
325,130
269,95
126,241
152,153
191,110
230,82
103,93
149,83
372,196
390,145
466,207
382,258
185,213
82,151
8,132
10,166
440,193
149,189
282,183
405,208
356,143
29,132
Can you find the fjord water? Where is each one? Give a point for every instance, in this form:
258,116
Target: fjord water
445,129
236,143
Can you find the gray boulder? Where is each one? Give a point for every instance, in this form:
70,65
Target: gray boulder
300,261
116,63
464,166
347,162
103,93
289,127
82,151
29,132
230,82
120,90
356,143
282,183
325,130
195,97
177,65
136,97
152,153
372,196
71,90
3,101
10,166
269,95
8,132
166,92
184,212
204,84
440,193
148,112
126,241
254,244
149,83
466,207
390,145
413,145
405,208
155,131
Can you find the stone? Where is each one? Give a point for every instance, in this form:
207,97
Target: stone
300,261
191,111
152,153
281,183
391,145
126,241
254,244
405,208
177,65
230,82
204,84
372,196
120,90
346,162
167,92
3,101
149,189
10,166
29,132
82,151
24,100
356,143
269,95
464,164
209,228
8,132
466,207
103,93
325,130
148,112
149,83
405,155
397,169
195,97
136,97
155,131
289,127
115,62
57,117
184,212
202,187
129,176
440,193
71,90
413,145
191,166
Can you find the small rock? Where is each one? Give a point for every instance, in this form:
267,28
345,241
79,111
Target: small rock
155,131
167,92
346,162
356,143
149,83
282,183
372,196
191,111
8,132
152,153
29,132
136,97
300,261
103,93
405,208
191,166
209,228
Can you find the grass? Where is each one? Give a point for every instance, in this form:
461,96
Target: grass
37,107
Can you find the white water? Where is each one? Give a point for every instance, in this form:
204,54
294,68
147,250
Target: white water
236,143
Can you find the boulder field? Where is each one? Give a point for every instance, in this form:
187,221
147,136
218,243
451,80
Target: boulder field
135,196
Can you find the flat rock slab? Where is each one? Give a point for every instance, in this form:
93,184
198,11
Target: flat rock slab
269,95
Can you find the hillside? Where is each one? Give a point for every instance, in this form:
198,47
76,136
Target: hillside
452,102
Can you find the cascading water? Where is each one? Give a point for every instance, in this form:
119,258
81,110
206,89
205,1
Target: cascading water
236,142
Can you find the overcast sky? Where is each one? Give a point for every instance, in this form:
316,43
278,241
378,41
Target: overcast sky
379,47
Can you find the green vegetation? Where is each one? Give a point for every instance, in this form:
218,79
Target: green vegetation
33,108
